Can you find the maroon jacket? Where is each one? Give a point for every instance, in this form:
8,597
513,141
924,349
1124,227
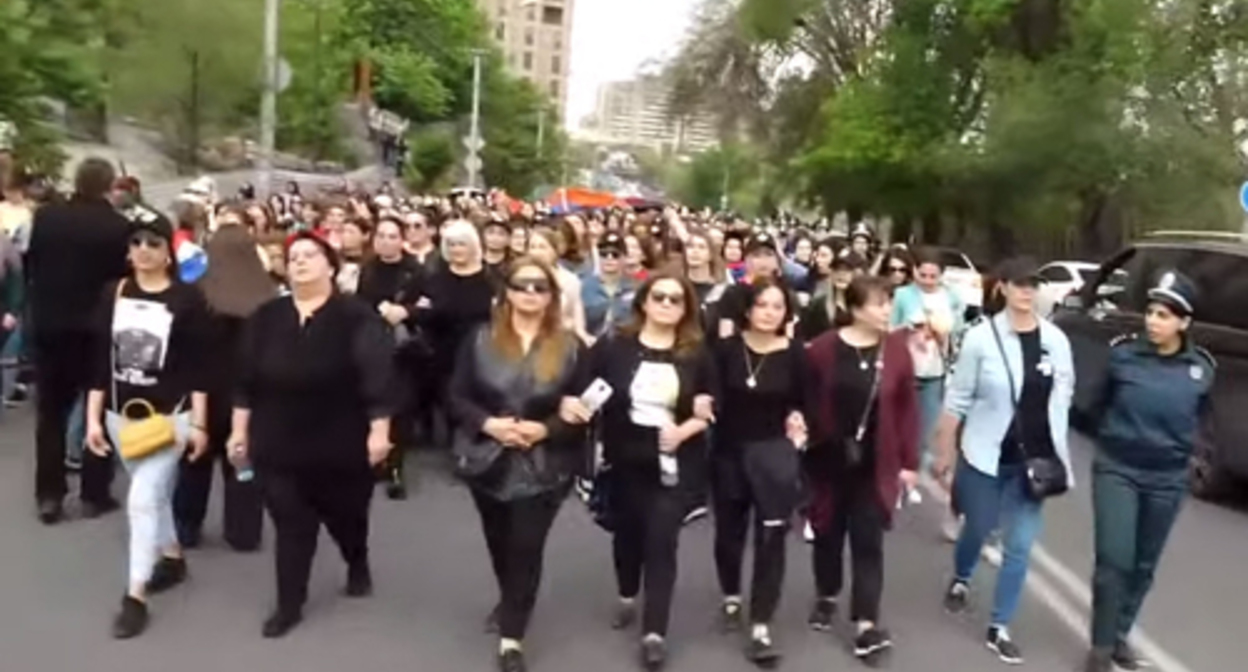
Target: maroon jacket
897,432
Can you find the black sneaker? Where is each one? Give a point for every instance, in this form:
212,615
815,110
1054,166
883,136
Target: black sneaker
822,615
396,489
73,464
957,597
167,573
762,652
731,617
1126,657
92,510
1000,643
1098,661
625,615
871,641
359,581
280,623
51,512
653,654
511,660
131,621
695,514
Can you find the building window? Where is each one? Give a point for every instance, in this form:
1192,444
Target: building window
552,16
528,37
556,42
528,61
556,65
500,32
530,15
554,88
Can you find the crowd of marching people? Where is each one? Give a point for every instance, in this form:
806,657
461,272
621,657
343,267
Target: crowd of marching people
665,365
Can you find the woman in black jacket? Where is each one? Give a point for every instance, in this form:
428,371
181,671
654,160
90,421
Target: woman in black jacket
652,444
391,283
516,453
313,415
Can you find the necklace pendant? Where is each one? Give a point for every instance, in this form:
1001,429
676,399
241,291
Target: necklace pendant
864,366
751,382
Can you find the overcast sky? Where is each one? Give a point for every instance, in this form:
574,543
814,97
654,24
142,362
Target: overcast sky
612,38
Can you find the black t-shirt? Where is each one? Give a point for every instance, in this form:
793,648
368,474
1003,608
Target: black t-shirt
757,413
153,346
458,303
1033,405
851,381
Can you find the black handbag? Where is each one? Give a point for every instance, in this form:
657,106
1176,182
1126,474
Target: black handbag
853,444
1046,475
475,457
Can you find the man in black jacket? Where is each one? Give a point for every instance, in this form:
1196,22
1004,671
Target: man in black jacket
75,249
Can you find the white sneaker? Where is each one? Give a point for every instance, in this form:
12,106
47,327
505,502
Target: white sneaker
951,528
808,533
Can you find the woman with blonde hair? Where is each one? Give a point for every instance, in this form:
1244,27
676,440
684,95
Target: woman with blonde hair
549,247
516,453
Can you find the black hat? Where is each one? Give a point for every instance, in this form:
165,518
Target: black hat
612,241
761,240
143,218
861,230
848,260
497,220
1176,291
1019,271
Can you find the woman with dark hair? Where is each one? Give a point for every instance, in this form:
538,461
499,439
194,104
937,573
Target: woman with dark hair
897,266
827,309
261,218
656,367
312,415
392,283
150,355
234,286
511,445
755,463
863,448
496,248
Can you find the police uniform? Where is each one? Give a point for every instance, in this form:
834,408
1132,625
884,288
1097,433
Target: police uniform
1149,413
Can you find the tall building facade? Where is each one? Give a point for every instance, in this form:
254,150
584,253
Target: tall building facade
636,112
536,39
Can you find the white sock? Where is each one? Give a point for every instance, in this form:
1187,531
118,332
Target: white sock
653,637
733,602
628,601
864,626
761,632
505,645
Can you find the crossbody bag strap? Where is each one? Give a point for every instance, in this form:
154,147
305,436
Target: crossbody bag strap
1009,373
871,395
112,347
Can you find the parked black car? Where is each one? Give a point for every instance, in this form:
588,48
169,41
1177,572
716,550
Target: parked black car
1113,303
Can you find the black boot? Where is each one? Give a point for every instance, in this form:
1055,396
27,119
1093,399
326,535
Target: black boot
131,621
396,489
281,622
51,511
359,580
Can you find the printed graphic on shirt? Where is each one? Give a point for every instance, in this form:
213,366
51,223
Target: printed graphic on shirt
655,389
140,340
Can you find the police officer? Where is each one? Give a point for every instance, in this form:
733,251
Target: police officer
1151,402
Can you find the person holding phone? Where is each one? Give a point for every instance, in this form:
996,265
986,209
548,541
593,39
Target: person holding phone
513,446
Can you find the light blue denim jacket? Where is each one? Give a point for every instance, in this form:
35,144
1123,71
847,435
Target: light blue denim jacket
979,391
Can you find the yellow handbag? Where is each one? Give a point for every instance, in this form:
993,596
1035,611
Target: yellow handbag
144,436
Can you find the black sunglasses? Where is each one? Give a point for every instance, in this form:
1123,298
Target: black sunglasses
148,240
610,254
673,299
541,286
898,269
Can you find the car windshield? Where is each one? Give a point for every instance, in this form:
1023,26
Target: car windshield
953,259
1088,274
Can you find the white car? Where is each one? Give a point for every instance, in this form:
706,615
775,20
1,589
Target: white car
962,276
1061,279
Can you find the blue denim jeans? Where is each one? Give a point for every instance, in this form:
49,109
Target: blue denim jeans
989,503
10,364
931,403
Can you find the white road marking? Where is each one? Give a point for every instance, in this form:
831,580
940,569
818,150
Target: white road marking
1067,595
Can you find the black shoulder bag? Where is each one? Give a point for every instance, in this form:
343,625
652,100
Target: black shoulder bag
853,444
1046,475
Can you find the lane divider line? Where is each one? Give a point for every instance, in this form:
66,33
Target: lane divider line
1071,598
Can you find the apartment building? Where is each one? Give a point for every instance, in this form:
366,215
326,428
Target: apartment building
635,112
536,39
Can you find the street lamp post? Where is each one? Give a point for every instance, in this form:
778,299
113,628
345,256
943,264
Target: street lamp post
268,101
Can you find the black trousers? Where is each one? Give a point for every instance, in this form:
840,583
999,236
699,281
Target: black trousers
243,520
299,501
515,534
649,517
734,507
858,516
63,363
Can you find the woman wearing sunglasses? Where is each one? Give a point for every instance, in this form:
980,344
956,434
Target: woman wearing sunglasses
151,354
656,367
511,445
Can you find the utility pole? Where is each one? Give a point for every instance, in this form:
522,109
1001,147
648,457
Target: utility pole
723,199
268,101
541,130
474,142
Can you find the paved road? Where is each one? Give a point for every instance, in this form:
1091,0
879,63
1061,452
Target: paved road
1198,605
59,586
